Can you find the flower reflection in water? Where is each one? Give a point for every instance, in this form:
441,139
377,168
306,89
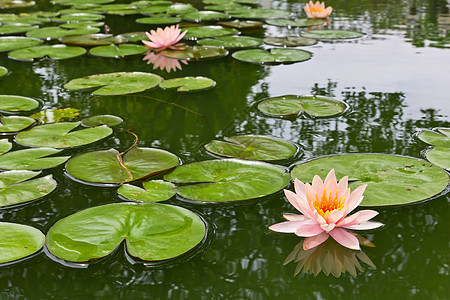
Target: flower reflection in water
330,257
162,62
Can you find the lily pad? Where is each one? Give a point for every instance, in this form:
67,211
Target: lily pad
158,20
273,56
13,124
5,146
5,4
108,167
331,34
390,179
439,156
3,71
152,232
19,241
135,36
109,120
155,9
8,43
292,105
56,115
120,83
227,180
18,187
77,2
290,41
12,103
440,137
153,191
180,8
241,24
118,51
82,25
201,32
31,159
59,135
196,53
55,52
302,22
16,28
254,147
259,13
98,39
188,84
205,16
78,17
55,32
232,42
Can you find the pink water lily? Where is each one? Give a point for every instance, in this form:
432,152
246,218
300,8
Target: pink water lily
324,207
166,38
317,10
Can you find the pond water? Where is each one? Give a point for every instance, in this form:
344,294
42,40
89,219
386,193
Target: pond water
395,81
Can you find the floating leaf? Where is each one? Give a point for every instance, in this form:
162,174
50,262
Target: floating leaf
204,15
5,146
290,41
55,32
109,120
201,32
196,53
188,84
78,17
13,124
16,188
58,135
439,157
331,34
118,51
155,9
16,28
232,42
109,168
12,103
302,22
255,147
231,6
391,180
8,43
19,241
259,13
241,24
55,52
153,191
78,2
159,20
180,8
56,115
440,137
120,83
275,56
227,180
98,39
291,105
3,71
31,159
4,4
82,25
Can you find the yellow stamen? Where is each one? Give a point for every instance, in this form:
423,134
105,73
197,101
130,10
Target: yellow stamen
326,205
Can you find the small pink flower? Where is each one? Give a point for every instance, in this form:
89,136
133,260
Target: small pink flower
317,10
162,62
166,38
324,207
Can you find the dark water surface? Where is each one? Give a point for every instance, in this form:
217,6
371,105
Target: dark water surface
396,82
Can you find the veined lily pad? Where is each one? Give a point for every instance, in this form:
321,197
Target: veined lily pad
204,15
196,53
255,147
19,241
81,25
55,32
180,8
241,24
108,168
153,191
98,39
5,146
13,124
120,83
439,156
440,137
201,32
275,56
11,103
16,28
78,17
118,50
290,41
3,71
153,232
8,43
303,22
259,13
227,180
232,42
15,3
31,159
159,19
391,180
58,135
109,120
188,84
331,34
56,115
290,105
16,188
55,52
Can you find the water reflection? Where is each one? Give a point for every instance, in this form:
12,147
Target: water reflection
164,63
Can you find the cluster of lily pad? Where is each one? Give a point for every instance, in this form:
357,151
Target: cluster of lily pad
440,140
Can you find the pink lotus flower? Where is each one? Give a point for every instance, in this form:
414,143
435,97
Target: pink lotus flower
162,62
317,10
166,38
324,206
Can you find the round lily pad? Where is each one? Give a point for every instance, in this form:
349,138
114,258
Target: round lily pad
232,42
16,28
55,52
188,84
98,39
55,32
158,20
5,146
440,137
60,135
205,15
78,2
390,179
19,241
273,56
439,156
13,124
108,168
18,187
56,115
331,34
8,43
81,25
201,32
259,13
117,51
5,4
109,120
241,24
152,232
291,105
290,41
230,6
12,103
155,9
255,147
302,22
120,83
3,71
180,8
78,17
153,191
31,159
196,53
227,180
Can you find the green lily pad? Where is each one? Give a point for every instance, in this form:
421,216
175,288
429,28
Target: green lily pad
204,16
5,4
117,8
55,52
58,135
19,241
290,41
31,159
201,32
78,2
439,157
232,42
275,56
17,187
55,32
227,180
259,13
12,103
5,146
158,20
155,9
390,179
302,22
231,6
152,232
254,147
98,39
153,191
109,120
105,167
118,51
3,71
16,28
81,25
56,115
331,34
241,24
188,84
196,53
180,8
440,137
13,124
78,17
291,105
8,43
137,36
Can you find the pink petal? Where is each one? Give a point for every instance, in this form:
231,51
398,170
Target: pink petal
335,216
307,230
365,226
318,218
299,188
150,44
292,217
355,198
314,241
330,183
327,227
317,185
292,198
357,218
345,238
300,205
286,227
342,185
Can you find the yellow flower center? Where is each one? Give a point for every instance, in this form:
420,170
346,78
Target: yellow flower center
327,204
316,10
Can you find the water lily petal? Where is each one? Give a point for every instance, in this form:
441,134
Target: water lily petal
286,227
342,186
335,216
299,188
365,226
355,198
327,227
317,185
345,238
357,218
299,204
307,230
292,217
314,241
330,183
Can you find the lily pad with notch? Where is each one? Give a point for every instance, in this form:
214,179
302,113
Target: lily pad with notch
153,191
196,53
188,84
16,28
54,32
232,42
205,16
439,137
97,39
94,121
259,13
31,159
118,51
290,41
181,8
241,24
201,32
439,156
81,25
14,124
274,56
8,43
159,20
301,22
78,17
331,34
15,104
55,52
155,9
